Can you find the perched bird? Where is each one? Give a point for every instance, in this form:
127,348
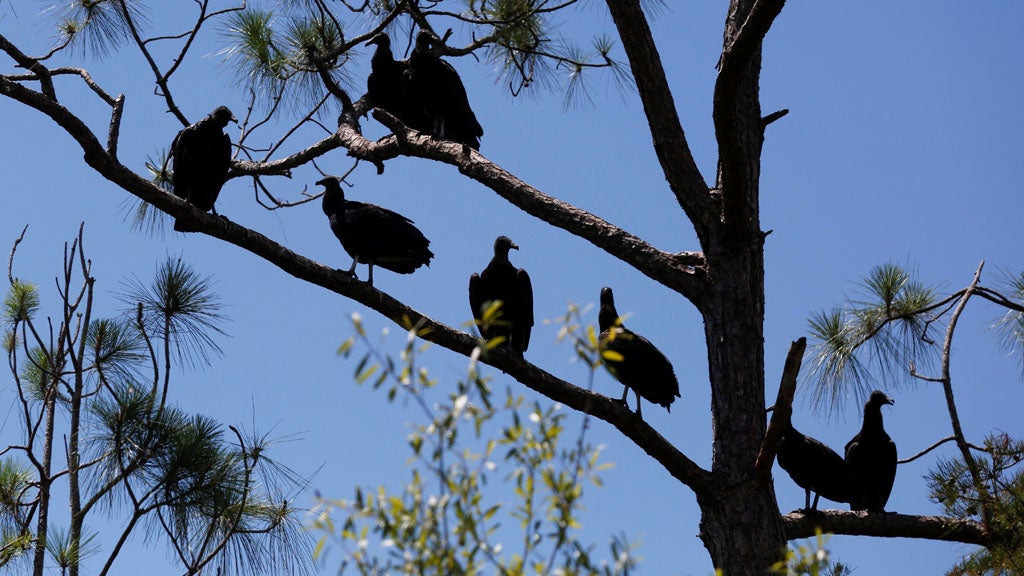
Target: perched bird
814,467
502,281
633,360
374,235
436,88
871,455
201,156
386,87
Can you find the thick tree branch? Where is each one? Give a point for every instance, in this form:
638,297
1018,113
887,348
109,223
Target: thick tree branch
884,525
30,64
739,127
677,273
739,51
607,409
670,143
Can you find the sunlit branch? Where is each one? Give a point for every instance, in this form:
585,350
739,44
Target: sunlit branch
885,525
658,265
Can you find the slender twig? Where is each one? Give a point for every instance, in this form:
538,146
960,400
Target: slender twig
947,386
936,445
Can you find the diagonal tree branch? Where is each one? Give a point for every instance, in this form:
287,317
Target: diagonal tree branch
676,272
885,525
670,142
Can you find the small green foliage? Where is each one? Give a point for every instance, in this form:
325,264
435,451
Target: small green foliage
115,347
98,28
443,521
144,217
810,559
21,302
179,306
951,485
284,66
66,551
95,389
584,337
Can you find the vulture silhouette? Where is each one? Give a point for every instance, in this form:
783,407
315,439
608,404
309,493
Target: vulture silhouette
373,235
815,467
435,87
871,455
386,86
633,360
201,156
501,281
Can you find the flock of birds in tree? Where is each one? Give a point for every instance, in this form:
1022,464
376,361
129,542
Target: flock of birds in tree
863,478
426,94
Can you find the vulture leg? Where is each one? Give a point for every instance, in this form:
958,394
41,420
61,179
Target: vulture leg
815,505
371,275
638,405
625,393
352,270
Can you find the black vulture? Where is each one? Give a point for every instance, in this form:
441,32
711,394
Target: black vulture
374,235
814,467
435,86
201,156
386,86
871,455
502,281
633,360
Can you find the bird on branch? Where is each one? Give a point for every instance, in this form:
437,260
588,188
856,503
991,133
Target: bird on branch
871,455
374,235
501,282
201,157
633,360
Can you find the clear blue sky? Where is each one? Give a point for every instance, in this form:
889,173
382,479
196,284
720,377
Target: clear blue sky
904,142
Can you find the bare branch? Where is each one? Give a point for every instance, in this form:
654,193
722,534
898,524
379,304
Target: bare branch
783,410
30,64
927,450
954,418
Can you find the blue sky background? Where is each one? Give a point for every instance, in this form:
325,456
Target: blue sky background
904,143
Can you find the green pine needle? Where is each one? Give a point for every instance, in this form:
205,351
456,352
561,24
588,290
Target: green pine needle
179,305
871,340
21,302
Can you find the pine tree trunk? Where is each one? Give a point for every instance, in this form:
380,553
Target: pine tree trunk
740,522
